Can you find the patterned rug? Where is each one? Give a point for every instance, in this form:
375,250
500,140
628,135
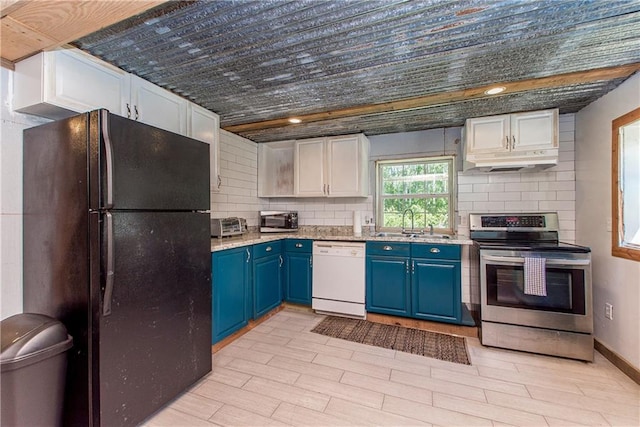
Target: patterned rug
424,343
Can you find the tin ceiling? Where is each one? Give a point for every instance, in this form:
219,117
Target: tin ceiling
348,66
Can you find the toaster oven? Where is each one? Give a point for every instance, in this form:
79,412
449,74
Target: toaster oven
223,227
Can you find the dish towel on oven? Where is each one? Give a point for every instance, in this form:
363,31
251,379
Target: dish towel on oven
535,282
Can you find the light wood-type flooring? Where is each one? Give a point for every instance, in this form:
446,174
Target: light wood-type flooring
279,374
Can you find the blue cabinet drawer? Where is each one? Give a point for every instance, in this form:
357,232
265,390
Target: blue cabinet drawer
436,251
298,245
389,248
268,248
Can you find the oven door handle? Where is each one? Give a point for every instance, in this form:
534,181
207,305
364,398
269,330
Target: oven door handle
549,261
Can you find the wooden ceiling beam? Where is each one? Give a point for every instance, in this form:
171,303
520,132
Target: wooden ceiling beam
579,77
32,26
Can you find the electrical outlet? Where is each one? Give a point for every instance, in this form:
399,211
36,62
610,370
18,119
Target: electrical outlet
608,311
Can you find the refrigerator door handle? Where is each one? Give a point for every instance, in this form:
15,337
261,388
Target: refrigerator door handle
108,289
108,148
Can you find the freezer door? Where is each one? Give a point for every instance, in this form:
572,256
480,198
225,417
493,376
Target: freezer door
145,168
155,315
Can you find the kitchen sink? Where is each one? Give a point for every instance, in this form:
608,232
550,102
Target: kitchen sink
412,235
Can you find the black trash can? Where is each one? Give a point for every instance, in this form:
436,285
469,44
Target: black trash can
33,364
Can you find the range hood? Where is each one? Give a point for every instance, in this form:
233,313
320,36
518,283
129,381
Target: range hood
525,162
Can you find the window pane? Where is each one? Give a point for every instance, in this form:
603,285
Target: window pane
422,186
630,182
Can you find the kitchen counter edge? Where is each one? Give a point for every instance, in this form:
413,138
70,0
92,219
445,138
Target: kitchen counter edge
218,244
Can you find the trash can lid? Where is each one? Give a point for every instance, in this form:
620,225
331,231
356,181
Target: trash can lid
28,333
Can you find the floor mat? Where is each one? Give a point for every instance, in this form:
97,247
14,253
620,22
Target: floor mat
425,343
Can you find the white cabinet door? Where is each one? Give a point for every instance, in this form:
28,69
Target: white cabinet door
309,168
534,131
61,83
157,107
344,166
487,134
204,125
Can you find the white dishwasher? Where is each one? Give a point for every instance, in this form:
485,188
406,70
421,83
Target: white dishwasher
338,278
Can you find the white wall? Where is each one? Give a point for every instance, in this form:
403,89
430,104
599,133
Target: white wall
615,280
238,194
11,198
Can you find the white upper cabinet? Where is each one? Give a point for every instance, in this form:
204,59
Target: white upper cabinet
62,83
204,125
155,106
512,134
332,167
537,130
310,168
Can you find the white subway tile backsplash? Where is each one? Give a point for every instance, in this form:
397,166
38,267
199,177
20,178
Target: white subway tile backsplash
472,178
566,195
504,177
560,205
504,196
557,186
538,176
488,188
522,206
539,195
473,197
465,188
521,186
488,206
566,176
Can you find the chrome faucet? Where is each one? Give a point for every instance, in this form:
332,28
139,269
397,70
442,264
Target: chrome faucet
403,216
431,229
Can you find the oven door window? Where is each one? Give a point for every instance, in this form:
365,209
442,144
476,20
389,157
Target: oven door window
565,289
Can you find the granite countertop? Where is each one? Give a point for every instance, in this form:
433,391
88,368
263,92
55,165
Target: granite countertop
219,244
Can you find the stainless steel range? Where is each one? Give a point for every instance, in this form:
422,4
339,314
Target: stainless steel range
535,290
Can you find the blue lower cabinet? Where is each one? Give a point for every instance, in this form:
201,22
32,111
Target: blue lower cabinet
231,282
388,285
267,277
415,280
436,290
298,268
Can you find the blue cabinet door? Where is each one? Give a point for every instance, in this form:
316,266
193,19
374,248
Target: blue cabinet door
230,281
267,286
388,285
298,278
436,290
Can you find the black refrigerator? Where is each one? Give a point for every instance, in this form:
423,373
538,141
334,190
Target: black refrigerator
117,247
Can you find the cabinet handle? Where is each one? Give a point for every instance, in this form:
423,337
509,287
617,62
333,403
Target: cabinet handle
413,267
281,260
248,255
434,250
298,245
269,249
324,188
328,189
311,262
387,248
219,182
506,142
128,111
406,263
135,108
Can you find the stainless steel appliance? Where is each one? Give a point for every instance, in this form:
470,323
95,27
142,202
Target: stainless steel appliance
224,227
278,221
556,319
117,247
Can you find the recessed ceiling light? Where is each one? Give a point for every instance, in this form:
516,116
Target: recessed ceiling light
495,90
294,120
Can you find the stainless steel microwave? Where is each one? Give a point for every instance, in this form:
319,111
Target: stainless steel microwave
278,221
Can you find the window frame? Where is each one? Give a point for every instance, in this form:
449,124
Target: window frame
379,214
618,248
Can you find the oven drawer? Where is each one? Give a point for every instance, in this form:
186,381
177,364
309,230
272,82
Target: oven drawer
436,251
